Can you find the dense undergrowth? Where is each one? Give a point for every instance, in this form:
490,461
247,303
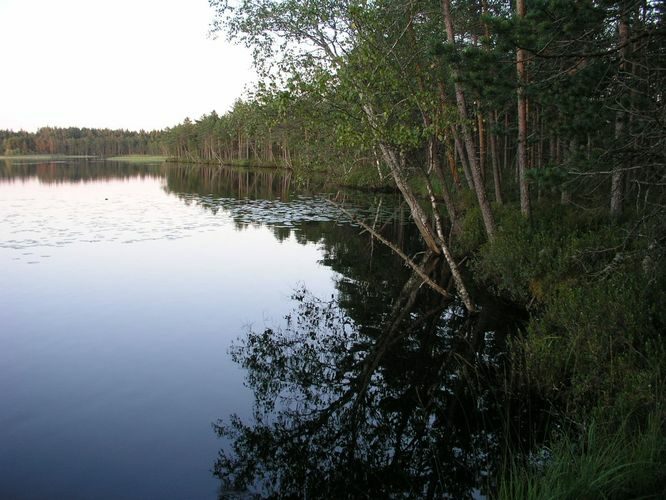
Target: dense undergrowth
598,463
593,345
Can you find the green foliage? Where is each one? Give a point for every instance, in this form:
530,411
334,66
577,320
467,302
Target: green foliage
345,81
342,81
598,346
472,234
550,177
594,342
620,463
528,259
367,178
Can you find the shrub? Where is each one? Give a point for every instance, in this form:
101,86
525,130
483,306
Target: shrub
526,262
597,345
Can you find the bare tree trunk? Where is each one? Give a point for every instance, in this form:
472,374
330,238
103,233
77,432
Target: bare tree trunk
463,158
419,216
395,167
522,122
482,144
494,160
453,265
484,205
433,150
617,178
451,159
458,144
505,157
434,164
565,198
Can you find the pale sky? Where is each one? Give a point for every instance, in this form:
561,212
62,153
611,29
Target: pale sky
132,64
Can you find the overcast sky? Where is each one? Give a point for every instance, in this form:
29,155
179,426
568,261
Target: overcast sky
133,64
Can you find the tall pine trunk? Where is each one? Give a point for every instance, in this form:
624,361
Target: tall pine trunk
522,122
617,178
494,159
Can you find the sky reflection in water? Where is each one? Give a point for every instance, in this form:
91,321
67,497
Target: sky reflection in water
128,290
117,307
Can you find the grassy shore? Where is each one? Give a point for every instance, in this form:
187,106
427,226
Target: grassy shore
138,158
593,346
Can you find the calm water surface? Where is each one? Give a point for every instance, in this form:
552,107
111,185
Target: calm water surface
141,305
118,303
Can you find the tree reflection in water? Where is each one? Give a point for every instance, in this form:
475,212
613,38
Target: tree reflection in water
414,408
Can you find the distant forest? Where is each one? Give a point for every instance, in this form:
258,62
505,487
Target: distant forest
79,141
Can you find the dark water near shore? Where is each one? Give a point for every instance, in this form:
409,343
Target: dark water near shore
141,304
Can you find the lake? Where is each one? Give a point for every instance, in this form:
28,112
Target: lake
142,307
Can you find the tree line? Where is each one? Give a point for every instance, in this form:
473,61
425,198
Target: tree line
80,142
506,100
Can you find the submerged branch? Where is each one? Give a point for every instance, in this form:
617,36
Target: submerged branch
426,279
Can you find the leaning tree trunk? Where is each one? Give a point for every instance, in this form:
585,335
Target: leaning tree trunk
460,149
392,161
453,265
432,152
484,204
419,216
395,167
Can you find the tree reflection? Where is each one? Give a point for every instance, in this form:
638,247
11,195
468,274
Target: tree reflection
231,182
74,171
386,390
368,275
412,409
